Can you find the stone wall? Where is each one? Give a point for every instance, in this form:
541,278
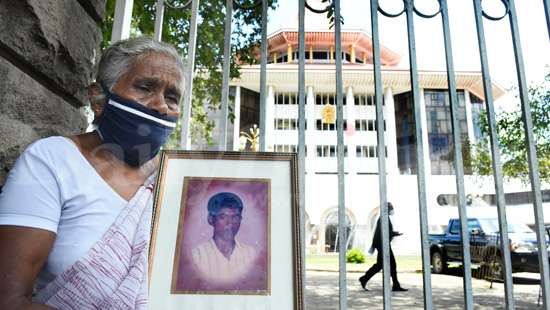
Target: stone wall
48,49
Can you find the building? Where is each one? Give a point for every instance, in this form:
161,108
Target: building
361,167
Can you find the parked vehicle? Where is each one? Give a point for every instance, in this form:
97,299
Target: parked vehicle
485,246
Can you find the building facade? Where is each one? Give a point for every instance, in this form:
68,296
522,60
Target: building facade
361,167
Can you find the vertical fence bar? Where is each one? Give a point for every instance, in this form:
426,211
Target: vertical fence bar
263,79
159,19
458,162
501,208
122,21
504,242
531,155
301,128
547,14
185,137
497,169
382,187
225,77
421,168
340,159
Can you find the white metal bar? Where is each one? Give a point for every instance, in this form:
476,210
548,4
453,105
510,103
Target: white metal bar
185,142
159,18
225,76
122,20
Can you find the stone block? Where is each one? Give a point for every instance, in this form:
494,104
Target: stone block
57,38
29,111
15,138
96,8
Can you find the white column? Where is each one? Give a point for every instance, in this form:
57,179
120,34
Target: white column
310,132
391,137
469,119
350,134
122,20
424,126
270,106
237,121
311,136
349,140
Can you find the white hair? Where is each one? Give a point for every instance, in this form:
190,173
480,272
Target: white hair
119,58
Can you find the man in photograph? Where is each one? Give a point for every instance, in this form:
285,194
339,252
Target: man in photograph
223,259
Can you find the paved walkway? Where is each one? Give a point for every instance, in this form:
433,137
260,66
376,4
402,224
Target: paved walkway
322,292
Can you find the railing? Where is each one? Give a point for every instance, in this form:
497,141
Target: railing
121,30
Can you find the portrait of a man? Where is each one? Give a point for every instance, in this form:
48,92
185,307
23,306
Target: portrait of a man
222,258
222,241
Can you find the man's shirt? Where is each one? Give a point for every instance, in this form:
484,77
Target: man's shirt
214,266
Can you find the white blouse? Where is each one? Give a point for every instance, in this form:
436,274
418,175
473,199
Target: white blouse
53,187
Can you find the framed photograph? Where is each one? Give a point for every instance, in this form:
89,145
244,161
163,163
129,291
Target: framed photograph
226,232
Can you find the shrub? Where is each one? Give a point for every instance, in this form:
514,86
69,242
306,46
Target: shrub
355,256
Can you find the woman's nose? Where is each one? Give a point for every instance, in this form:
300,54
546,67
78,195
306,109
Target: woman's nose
158,104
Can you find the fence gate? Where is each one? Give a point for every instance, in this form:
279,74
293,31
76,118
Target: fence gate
121,30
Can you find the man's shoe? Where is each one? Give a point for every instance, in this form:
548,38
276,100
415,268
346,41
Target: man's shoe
399,289
363,282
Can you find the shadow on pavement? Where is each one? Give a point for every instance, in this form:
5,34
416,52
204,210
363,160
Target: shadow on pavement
519,279
322,292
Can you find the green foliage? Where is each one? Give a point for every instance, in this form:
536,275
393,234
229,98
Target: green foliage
246,34
511,138
355,256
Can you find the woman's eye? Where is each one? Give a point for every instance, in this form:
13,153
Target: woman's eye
144,88
172,100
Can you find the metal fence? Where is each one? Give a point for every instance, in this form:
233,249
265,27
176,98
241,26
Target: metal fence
121,30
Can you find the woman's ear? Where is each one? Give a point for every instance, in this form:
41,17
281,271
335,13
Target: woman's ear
97,100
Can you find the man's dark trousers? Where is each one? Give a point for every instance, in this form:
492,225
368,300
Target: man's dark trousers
378,266
377,244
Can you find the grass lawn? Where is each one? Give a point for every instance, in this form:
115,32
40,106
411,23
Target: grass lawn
329,262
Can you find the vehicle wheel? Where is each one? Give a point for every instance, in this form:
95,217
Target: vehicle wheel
438,263
496,268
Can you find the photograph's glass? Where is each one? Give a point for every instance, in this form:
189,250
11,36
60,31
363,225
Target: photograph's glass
226,232
215,212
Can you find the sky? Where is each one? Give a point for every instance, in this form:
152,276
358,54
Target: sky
429,35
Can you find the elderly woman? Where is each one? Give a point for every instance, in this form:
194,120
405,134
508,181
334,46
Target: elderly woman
75,212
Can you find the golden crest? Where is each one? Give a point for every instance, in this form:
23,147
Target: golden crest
328,114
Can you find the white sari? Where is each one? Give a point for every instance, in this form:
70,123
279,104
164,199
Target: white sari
113,273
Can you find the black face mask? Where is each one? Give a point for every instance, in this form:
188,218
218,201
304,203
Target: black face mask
133,131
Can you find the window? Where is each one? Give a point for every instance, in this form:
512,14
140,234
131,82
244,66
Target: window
346,57
372,151
366,125
371,125
455,228
287,148
329,151
319,125
322,99
285,99
366,100
324,55
440,130
332,150
283,58
287,124
368,151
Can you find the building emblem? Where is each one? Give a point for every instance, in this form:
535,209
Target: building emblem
328,114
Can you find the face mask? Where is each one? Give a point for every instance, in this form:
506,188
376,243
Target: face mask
133,132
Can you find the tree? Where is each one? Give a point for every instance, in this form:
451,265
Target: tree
511,138
246,33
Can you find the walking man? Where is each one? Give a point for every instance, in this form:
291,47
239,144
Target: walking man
377,244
